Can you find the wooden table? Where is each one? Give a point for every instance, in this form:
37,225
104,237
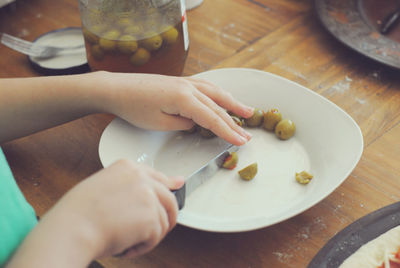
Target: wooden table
282,37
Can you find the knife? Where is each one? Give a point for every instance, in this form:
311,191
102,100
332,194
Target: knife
202,175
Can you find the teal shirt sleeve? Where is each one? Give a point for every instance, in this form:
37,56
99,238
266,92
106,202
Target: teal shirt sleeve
17,217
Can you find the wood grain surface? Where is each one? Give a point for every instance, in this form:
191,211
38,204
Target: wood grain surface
282,37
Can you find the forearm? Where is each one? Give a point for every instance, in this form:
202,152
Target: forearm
57,241
28,105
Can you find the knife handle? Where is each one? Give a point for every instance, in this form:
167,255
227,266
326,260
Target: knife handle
180,195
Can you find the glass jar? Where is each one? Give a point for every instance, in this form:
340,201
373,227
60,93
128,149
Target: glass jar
140,36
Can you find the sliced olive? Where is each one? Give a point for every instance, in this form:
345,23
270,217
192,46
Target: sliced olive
231,161
285,129
127,44
256,119
303,177
237,120
140,57
170,35
248,172
271,119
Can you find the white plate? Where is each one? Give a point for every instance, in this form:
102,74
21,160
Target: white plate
328,143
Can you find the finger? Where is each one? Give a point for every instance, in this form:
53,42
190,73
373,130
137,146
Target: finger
223,114
169,205
207,118
173,122
136,250
172,182
222,97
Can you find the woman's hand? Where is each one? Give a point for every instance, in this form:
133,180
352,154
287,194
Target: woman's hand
125,209
173,103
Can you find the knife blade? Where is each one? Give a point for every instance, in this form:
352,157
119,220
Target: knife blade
201,175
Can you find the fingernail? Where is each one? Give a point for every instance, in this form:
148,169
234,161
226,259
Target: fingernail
248,134
250,109
241,140
245,134
179,181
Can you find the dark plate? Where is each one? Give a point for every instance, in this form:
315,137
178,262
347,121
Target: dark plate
347,241
356,23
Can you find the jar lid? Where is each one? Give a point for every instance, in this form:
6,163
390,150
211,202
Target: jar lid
66,62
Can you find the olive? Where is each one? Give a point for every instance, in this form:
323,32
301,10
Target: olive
303,177
285,129
140,57
152,43
127,44
237,120
191,130
170,35
248,172
206,133
97,52
89,36
231,161
271,119
94,16
256,119
133,29
123,22
97,29
150,24
107,42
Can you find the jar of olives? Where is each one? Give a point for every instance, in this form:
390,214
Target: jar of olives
141,36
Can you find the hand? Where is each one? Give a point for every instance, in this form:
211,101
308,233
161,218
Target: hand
125,209
130,205
174,103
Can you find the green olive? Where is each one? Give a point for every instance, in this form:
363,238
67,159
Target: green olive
111,34
237,120
94,16
303,177
256,119
152,43
191,130
285,129
248,172
140,57
97,52
97,29
107,42
124,22
151,24
89,36
170,35
271,119
206,133
127,44
133,29
231,161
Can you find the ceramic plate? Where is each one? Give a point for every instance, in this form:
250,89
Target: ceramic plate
360,232
328,143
